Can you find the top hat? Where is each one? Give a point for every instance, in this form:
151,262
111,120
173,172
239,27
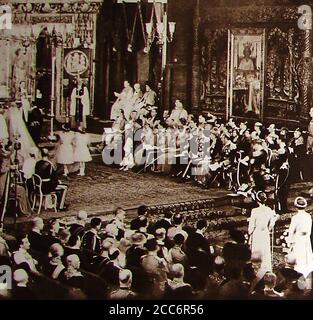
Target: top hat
300,203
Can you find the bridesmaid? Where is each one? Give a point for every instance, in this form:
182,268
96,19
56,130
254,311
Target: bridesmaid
261,223
81,150
65,151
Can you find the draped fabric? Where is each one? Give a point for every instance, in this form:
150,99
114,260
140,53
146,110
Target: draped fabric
18,130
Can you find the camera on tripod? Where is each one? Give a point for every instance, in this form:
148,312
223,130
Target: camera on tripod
16,144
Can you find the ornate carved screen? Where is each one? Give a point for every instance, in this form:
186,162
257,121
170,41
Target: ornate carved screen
245,80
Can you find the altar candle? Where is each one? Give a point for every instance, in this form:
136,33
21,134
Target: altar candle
52,85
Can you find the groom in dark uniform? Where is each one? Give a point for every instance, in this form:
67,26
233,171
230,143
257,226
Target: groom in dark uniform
50,182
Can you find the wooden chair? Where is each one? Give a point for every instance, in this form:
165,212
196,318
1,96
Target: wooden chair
37,184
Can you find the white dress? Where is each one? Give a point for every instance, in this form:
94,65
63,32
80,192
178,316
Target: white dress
17,127
300,242
25,104
65,150
262,220
84,100
4,132
122,102
81,150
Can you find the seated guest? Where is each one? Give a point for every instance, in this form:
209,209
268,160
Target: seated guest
50,182
136,251
54,267
21,289
269,291
73,247
198,249
107,244
35,237
177,221
236,250
21,256
52,236
112,231
124,292
165,222
91,240
270,283
123,246
64,235
177,288
177,254
289,278
5,254
110,270
153,119
160,235
179,112
29,168
155,267
78,228
142,211
149,97
72,275
119,218
234,287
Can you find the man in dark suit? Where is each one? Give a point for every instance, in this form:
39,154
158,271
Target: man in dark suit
91,241
79,227
135,223
198,249
50,182
51,236
165,223
236,251
73,246
35,236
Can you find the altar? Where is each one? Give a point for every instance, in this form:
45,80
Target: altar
49,45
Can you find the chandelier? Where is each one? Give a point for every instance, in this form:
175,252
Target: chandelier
159,31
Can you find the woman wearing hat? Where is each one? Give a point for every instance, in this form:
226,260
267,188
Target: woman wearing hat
299,238
65,151
261,222
81,150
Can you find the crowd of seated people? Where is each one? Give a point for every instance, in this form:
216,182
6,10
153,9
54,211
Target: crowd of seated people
206,149
145,259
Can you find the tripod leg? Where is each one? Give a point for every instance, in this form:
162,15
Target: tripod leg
34,201
40,203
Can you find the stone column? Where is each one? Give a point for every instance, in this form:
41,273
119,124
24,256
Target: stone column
306,74
195,81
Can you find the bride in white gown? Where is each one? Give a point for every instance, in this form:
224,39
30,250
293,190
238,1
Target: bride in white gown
18,132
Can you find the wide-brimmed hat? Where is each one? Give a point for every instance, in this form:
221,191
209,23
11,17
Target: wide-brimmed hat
300,203
81,129
138,238
66,127
261,196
